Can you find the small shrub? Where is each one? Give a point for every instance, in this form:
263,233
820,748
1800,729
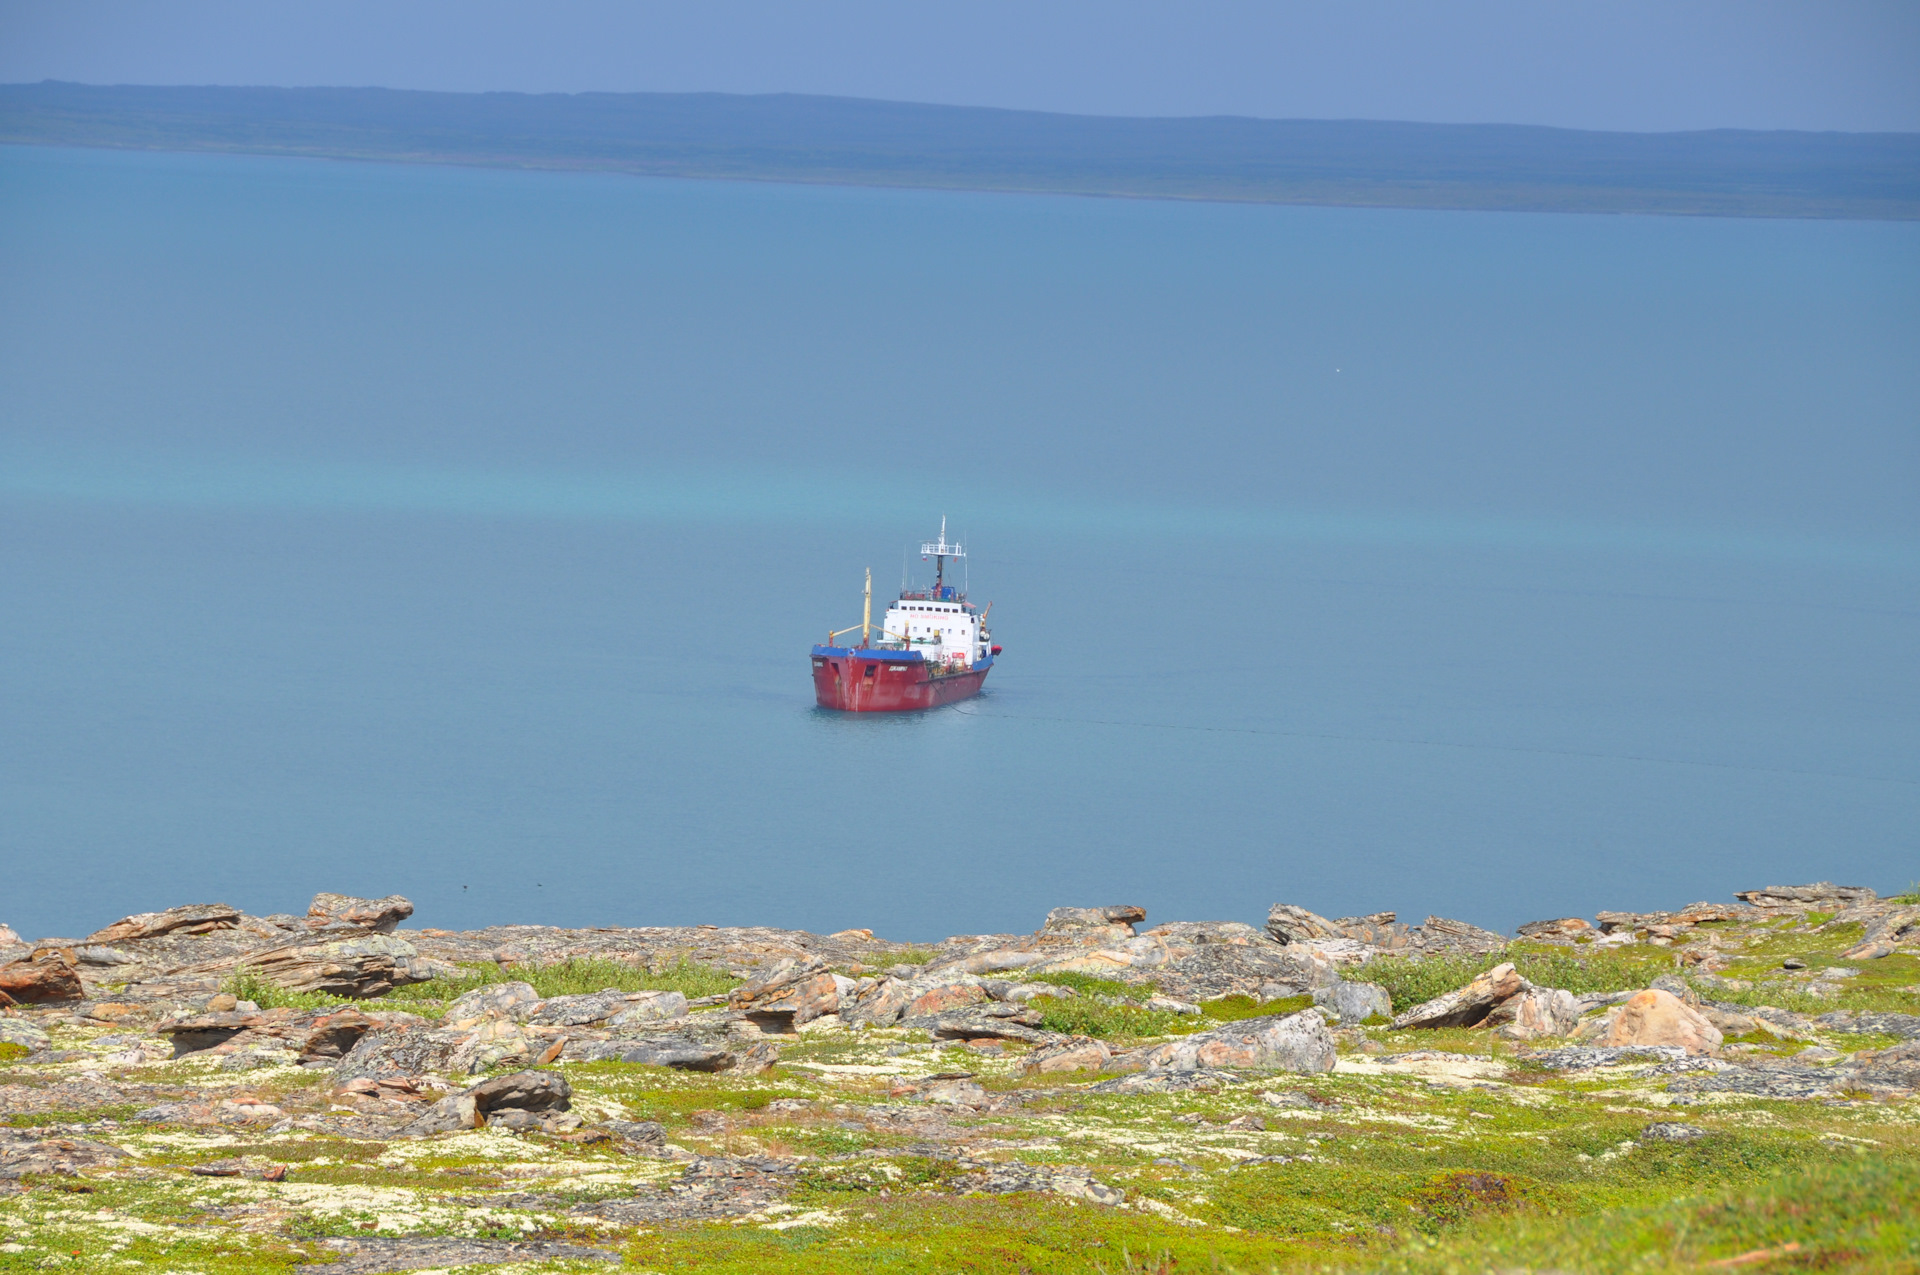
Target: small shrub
10,1050
1412,980
247,984
1451,1198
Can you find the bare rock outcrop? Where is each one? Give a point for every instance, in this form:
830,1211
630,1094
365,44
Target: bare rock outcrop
1886,933
43,977
1291,924
1820,896
192,918
381,916
359,964
1536,1012
798,990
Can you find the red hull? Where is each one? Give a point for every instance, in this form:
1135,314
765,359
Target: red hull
860,681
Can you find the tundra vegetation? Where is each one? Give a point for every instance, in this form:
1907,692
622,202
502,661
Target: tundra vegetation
1720,1088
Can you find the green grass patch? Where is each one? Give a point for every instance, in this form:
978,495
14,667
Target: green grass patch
1233,1009
41,1119
1089,985
676,1106
248,984
10,1050
913,1232
576,976
1411,980
1084,1016
906,956
1837,1217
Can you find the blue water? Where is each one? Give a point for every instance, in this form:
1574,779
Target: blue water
461,534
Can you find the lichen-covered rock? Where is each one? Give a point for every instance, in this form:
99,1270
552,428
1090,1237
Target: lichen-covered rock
1355,1002
361,965
1819,896
1082,1053
495,1042
882,1004
62,1157
381,916
1536,1012
191,918
581,1009
985,1022
523,1090
804,989
647,1007
944,997
1439,934
1656,1017
393,1052
513,1000
1565,927
1289,923
1293,1042
663,1051
17,1031
1886,933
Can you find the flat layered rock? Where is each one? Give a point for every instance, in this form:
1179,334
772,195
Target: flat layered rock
381,916
192,918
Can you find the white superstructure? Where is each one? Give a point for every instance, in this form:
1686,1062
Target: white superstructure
939,622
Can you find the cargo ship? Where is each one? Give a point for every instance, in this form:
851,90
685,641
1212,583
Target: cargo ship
931,648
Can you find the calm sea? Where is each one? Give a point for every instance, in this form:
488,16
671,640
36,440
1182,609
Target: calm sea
461,534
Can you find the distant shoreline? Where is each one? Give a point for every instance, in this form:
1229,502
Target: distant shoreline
848,142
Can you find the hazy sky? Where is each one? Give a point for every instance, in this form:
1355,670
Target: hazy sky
1625,64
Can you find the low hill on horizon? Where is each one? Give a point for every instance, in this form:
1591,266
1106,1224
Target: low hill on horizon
849,141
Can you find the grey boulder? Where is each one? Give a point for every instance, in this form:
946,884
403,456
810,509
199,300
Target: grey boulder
1293,1042
1355,1002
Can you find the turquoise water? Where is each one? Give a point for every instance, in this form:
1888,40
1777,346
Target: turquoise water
462,533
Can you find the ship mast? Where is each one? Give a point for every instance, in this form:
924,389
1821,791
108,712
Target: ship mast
866,611
940,551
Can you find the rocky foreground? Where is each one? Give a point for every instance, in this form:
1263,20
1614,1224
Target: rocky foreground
201,1089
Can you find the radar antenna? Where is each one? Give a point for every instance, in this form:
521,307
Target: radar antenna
939,550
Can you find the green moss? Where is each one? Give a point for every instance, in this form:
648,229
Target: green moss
10,1051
